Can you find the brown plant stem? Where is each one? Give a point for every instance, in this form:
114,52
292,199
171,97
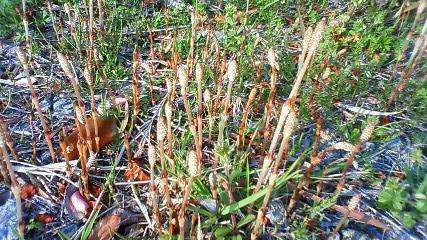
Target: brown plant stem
273,79
83,162
357,215
9,141
46,131
219,86
416,56
151,68
52,16
4,171
183,205
89,79
354,201
33,139
72,26
183,79
315,40
283,152
101,19
152,158
199,79
25,22
91,24
16,190
366,134
104,78
314,160
193,163
174,63
161,135
168,115
135,93
63,146
242,127
190,57
67,68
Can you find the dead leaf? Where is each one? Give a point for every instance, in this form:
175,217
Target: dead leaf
289,20
105,228
75,204
28,191
44,218
95,190
135,173
105,133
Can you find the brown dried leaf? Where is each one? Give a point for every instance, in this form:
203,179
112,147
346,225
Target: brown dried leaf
135,173
105,133
105,228
28,191
44,218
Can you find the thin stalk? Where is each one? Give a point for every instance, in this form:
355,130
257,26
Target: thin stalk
315,40
199,80
314,160
168,115
46,131
63,146
101,19
161,135
135,93
91,24
208,102
231,75
104,77
174,63
190,57
183,79
194,170
66,67
52,16
83,162
72,26
242,127
283,152
16,190
89,79
268,109
219,85
4,172
152,158
364,137
354,201
416,56
9,141
25,22
150,80
33,139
